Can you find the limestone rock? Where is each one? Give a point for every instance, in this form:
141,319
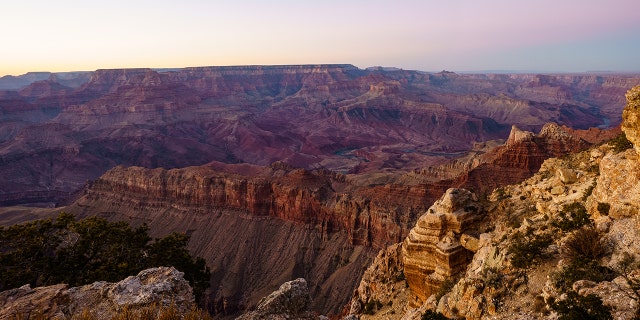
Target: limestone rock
567,176
465,299
290,301
631,117
163,286
432,252
470,243
619,184
557,190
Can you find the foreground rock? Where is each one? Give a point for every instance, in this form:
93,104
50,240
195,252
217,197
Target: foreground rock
290,301
156,287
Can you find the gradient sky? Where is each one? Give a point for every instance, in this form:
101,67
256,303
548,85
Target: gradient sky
456,35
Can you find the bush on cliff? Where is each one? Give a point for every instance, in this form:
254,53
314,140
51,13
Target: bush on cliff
620,143
78,252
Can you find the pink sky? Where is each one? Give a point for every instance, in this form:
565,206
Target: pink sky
457,35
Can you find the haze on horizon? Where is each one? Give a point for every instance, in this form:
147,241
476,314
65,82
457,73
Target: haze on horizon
458,35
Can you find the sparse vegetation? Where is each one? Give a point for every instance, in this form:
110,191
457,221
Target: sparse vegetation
588,191
432,315
573,216
527,248
604,208
620,143
580,270
585,245
583,249
577,307
78,252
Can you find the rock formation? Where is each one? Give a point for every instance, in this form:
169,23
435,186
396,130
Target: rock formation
156,287
619,181
524,152
381,282
290,301
433,252
631,117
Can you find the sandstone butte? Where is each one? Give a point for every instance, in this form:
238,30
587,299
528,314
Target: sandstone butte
327,225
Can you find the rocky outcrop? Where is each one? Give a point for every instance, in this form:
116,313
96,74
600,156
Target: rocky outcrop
524,152
381,282
619,181
290,301
433,252
631,117
619,184
156,288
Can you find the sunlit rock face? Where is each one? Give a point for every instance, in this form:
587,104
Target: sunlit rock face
433,252
631,117
619,181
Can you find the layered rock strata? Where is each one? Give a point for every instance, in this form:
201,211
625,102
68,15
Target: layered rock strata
433,251
58,131
381,282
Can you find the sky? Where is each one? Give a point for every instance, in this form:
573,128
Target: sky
427,35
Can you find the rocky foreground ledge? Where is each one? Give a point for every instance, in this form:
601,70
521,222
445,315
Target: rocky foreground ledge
161,287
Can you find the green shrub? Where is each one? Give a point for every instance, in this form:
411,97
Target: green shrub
588,191
604,208
432,315
527,248
581,270
577,307
573,216
64,250
620,143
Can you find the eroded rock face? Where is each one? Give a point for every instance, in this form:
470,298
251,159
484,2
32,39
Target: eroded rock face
381,281
432,253
631,117
619,183
290,301
524,152
163,286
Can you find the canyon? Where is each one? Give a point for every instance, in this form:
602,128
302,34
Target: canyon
286,172
58,133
